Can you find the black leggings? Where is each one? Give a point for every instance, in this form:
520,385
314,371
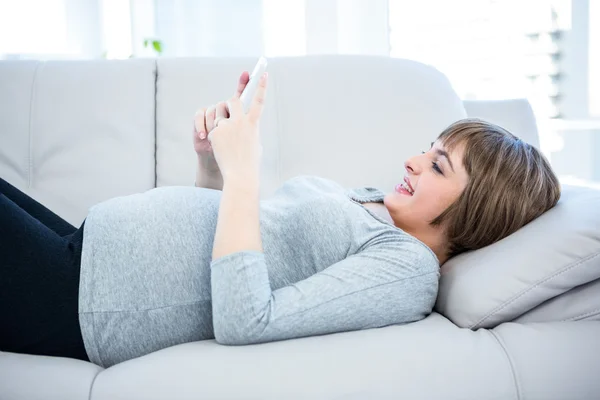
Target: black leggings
40,257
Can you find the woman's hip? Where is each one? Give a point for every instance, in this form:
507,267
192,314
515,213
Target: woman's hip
39,286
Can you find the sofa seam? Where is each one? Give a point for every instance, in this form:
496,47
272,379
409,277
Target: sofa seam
29,129
510,363
92,384
583,315
155,123
506,304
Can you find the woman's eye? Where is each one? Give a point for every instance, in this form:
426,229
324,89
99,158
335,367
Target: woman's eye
437,168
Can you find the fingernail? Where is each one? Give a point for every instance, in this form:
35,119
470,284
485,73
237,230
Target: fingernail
202,134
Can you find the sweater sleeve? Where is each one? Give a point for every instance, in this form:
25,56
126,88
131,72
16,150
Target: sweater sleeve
374,288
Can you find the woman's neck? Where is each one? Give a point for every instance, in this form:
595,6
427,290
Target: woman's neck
432,238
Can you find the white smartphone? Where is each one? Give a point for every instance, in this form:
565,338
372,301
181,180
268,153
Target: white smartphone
250,89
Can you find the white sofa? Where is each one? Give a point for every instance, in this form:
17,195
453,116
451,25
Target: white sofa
74,133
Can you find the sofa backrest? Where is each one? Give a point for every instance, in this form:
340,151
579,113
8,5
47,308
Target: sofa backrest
75,133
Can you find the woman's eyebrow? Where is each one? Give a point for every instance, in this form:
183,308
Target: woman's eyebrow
444,153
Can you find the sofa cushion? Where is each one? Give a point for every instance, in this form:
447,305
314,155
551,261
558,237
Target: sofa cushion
77,132
552,360
544,259
428,359
516,115
25,376
581,303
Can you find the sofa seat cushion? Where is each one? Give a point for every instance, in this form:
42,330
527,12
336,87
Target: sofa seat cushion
25,376
428,359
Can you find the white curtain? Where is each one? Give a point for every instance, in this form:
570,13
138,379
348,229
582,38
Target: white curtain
269,27
189,28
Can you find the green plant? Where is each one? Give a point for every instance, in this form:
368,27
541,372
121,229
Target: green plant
156,45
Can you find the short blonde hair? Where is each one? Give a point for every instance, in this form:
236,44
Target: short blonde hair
510,184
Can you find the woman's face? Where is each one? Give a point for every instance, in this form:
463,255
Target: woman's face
437,179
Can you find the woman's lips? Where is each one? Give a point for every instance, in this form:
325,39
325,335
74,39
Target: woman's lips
400,189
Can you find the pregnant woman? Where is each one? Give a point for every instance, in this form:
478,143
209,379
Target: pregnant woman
180,264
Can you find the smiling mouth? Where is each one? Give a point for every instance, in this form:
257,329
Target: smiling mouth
408,185
404,189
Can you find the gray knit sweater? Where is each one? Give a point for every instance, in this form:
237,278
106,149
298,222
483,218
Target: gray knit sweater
329,265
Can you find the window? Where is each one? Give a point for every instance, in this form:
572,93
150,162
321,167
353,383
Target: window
489,49
25,32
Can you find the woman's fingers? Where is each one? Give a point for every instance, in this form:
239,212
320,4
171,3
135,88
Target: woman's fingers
210,118
199,124
222,111
243,81
235,107
259,99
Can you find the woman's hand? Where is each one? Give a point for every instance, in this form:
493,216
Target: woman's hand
235,139
204,122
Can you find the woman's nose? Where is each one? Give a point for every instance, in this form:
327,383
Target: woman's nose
416,164
412,166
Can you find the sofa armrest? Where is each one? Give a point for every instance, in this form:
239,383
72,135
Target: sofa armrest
516,115
553,360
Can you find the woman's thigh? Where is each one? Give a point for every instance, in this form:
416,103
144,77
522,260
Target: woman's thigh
36,209
39,286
